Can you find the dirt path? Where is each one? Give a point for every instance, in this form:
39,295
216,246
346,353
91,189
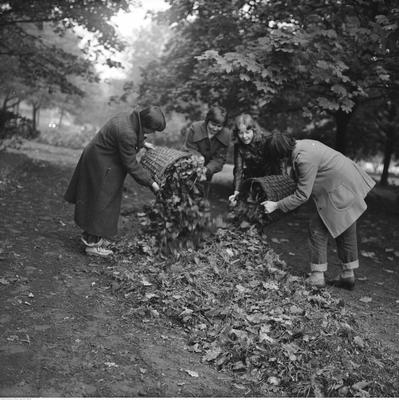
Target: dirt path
63,333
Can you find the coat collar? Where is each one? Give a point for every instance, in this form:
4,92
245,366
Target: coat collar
136,125
200,133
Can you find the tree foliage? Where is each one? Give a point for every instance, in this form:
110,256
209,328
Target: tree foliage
319,58
27,38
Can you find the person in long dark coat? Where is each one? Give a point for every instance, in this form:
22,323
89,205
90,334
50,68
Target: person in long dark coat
97,182
210,140
250,153
338,187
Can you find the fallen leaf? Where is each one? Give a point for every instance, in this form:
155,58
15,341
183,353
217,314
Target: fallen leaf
145,282
245,225
4,281
365,299
358,341
273,380
368,254
111,364
192,373
241,288
388,270
150,296
360,385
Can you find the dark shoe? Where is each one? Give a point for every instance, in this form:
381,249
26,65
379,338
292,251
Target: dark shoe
343,283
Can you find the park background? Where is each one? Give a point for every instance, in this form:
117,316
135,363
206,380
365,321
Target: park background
323,70
220,321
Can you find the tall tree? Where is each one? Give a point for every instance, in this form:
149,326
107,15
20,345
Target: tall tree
22,41
321,57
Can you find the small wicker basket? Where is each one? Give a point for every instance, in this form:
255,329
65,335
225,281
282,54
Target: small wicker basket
158,160
273,188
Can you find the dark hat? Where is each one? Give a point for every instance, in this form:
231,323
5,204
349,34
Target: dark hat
152,118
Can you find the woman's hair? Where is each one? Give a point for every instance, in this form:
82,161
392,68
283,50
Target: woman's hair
153,118
216,114
247,122
280,145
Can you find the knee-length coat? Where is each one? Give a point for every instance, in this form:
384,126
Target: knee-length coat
337,185
97,182
213,150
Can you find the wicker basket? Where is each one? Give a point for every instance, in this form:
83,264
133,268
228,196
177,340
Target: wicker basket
273,188
158,160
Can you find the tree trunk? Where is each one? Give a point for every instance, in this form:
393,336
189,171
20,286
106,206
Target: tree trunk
62,113
341,120
35,116
389,144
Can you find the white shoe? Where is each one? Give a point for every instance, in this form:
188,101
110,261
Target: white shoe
316,279
98,251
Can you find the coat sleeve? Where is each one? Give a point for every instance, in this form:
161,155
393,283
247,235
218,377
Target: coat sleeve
189,144
305,171
127,152
238,168
218,160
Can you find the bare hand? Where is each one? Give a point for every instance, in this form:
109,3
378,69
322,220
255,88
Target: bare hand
155,187
232,199
270,206
149,146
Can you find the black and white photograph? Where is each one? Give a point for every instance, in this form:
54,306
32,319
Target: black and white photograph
199,199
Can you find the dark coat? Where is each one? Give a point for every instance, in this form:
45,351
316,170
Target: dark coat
97,183
337,185
213,150
252,160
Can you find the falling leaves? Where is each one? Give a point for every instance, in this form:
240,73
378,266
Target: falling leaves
180,217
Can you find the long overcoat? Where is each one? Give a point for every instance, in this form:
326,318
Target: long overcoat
97,182
337,185
213,150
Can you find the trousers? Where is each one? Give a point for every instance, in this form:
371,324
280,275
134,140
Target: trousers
318,240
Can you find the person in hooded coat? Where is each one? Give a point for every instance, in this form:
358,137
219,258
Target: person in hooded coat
97,182
338,187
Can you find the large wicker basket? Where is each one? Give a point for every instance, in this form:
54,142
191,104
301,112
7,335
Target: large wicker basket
158,160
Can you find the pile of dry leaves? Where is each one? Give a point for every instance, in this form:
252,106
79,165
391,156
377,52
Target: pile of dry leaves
246,314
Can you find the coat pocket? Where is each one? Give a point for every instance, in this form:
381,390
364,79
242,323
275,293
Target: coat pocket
341,197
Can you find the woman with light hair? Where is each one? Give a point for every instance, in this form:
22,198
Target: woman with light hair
250,153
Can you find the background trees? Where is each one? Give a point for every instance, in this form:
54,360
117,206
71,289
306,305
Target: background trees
318,68
290,62
41,52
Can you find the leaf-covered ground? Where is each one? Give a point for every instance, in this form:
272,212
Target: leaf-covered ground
246,314
70,326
